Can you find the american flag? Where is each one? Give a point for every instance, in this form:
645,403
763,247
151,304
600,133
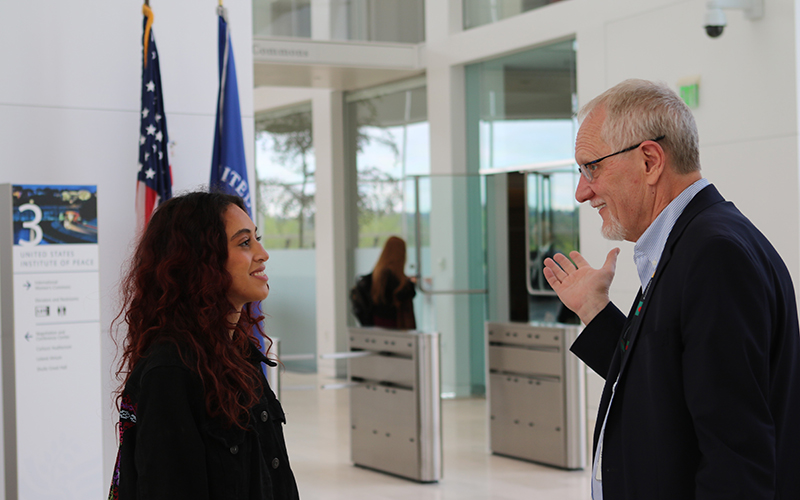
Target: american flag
155,176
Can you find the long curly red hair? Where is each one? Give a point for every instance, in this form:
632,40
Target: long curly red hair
176,291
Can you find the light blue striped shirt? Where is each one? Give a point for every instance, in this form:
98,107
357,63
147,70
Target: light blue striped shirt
646,254
650,246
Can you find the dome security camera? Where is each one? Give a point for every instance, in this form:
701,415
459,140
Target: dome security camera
715,22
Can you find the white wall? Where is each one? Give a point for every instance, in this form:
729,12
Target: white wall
69,113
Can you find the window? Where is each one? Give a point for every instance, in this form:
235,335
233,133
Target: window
285,219
391,142
521,115
285,171
290,18
480,12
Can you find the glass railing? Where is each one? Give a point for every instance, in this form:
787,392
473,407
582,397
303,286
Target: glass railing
458,210
475,244
414,207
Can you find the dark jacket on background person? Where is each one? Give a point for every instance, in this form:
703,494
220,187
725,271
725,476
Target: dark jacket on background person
707,398
171,448
386,314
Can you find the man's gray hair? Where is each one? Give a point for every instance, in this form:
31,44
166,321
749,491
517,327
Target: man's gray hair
640,110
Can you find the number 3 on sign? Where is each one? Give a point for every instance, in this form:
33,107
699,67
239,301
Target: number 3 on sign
35,236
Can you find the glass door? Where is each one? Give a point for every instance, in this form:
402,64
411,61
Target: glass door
551,228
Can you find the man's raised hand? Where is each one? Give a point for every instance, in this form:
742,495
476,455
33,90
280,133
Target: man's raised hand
581,288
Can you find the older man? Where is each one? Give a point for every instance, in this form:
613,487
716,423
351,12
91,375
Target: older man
702,394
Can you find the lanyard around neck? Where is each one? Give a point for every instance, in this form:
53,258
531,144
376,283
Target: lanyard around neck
625,342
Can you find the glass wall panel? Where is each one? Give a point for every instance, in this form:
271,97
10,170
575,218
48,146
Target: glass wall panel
480,12
285,166
392,144
390,153
285,220
282,18
524,106
389,157
552,228
527,103
399,21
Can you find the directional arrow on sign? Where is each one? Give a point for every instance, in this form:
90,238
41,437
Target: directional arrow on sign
28,336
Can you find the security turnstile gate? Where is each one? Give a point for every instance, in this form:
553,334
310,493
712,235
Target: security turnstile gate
536,393
395,408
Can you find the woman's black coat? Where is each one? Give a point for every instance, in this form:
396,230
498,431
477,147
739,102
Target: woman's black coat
170,447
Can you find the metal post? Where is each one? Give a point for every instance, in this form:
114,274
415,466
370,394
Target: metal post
274,372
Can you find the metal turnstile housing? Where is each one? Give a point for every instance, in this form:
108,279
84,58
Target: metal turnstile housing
395,410
536,394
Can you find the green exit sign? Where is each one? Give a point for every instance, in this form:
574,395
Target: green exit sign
690,94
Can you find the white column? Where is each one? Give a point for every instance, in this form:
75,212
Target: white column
320,19
331,248
449,224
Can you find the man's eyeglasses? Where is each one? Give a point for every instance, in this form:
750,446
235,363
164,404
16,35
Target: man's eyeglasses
587,169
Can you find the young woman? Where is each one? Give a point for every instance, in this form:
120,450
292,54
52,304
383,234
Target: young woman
393,291
197,417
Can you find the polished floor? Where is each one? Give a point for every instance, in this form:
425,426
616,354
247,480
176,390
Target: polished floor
317,434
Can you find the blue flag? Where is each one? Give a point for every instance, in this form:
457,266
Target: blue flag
228,166
154,180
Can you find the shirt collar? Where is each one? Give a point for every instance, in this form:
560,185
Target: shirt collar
648,249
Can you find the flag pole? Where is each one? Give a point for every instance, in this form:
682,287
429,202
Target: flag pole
154,180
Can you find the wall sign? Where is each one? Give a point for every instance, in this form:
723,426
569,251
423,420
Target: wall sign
51,365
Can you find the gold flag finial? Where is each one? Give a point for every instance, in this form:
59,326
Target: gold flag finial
149,13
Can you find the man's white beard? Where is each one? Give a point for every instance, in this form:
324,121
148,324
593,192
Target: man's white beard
613,230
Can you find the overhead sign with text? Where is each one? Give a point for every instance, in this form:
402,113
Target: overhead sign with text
56,338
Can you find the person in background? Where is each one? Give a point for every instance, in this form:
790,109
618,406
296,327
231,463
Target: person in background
702,393
197,417
392,291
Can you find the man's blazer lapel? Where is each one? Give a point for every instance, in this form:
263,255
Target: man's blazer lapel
705,198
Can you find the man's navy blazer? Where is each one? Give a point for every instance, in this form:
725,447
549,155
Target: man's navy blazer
707,403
